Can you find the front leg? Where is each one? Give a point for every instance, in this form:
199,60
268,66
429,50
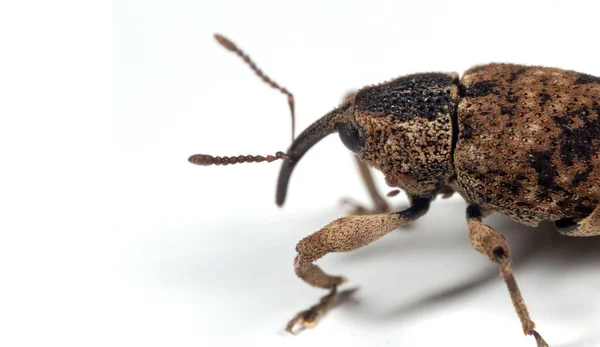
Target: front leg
343,235
492,244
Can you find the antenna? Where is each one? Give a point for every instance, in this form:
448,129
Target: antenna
225,42
208,160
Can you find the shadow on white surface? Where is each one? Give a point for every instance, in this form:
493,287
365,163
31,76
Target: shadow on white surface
419,286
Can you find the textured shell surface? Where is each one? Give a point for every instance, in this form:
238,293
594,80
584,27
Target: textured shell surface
528,141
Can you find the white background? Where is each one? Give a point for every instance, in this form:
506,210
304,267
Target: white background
109,237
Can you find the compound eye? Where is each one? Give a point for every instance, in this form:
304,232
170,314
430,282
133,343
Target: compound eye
351,137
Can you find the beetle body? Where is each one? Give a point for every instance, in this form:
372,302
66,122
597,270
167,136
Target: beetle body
523,141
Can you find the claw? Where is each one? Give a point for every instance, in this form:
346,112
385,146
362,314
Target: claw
309,318
539,339
299,318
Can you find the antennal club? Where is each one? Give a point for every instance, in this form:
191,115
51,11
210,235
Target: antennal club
232,47
208,160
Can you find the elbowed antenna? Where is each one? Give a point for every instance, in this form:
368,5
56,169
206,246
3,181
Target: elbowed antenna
309,137
207,159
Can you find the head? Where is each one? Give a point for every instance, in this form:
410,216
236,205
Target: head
403,127
406,128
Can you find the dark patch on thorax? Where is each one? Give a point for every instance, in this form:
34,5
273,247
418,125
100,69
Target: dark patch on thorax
424,95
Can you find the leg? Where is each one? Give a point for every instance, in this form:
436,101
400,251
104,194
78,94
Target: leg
381,205
489,242
343,235
589,226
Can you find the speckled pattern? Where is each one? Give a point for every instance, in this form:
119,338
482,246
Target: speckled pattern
523,141
520,140
407,124
529,141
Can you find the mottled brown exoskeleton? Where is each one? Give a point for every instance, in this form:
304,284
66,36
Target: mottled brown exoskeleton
523,141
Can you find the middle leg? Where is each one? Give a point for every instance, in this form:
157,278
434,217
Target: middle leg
493,244
380,204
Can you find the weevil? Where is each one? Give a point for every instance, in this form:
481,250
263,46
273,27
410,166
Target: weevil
522,141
